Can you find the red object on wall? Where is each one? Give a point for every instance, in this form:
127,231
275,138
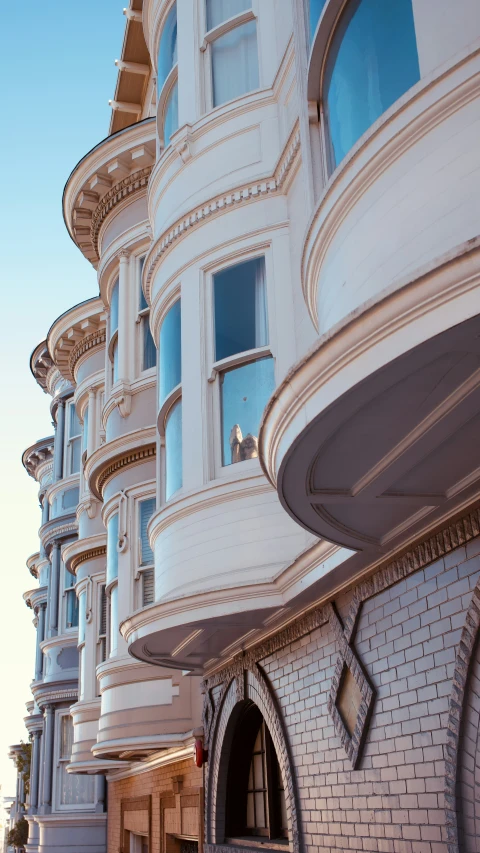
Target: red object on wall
199,753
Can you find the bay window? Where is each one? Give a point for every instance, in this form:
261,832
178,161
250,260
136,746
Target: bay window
72,789
71,600
231,42
167,79
112,580
74,440
372,61
242,358
148,356
146,508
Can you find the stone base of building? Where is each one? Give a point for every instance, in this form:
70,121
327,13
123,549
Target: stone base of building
372,702
163,805
71,833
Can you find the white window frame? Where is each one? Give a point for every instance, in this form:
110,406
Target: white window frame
58,765
139,570
171,79
63,607
214,369
136,841
141,314
70,441
112,335
211,36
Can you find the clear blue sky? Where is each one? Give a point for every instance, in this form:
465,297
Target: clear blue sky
57,72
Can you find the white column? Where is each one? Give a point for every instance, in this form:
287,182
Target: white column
194,449
92,421
59,442
48,757
35,772
190,60
40,639
124,318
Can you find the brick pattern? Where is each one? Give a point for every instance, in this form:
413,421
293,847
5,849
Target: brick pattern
152,784
463,746
406,623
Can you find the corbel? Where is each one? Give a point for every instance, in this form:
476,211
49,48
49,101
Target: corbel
123,402
183,146
122,524
88,602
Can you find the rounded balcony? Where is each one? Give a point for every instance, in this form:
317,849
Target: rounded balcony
370,438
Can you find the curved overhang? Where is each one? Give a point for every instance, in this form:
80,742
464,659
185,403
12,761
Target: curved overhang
139,748
128,450
113,173
54,692
58,529
34,597
83,551
192,632
76,332
32,564
40,364
134,72
372,439
38,455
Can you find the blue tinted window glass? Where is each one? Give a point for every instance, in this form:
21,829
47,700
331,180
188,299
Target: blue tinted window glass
219,11
170,124
113,619
173,451
170,352
112,553
82,619
167,54
373,60
240,308
315,10
149,348
235,63
245,392
142,301
114,309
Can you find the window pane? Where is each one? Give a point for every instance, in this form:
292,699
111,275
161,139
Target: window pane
74,789
114,309
149,357
170,123
372,61
173,451
112,553
315,10
75,428
142,302
240,308
75,455
170,352
115,362
167,55
235,63
114,619
66,736
245,392
221,10
148,587
146,510
70,498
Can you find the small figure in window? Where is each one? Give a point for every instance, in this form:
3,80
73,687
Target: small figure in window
242,448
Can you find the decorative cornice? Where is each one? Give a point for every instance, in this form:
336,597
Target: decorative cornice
224,202
90,342
59,532
131,185
123,460
87,555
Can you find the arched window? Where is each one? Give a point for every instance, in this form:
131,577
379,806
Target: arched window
372,61
255,804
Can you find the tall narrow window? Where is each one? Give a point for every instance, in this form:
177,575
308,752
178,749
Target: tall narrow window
71,601
234,53
73,789
167,79
102,625
85,432
173,450
112,579
242,359
113,332
82,623
372,62
74,440
146,508
255,804
148,356
170,353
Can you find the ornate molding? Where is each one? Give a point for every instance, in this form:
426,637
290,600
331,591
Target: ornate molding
131,185
123,460
59,532
91,554
89,342
223,202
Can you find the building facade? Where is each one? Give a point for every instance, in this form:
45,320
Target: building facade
258,610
